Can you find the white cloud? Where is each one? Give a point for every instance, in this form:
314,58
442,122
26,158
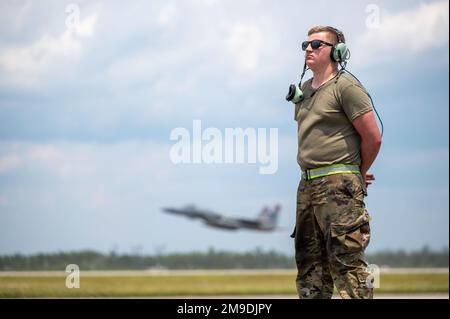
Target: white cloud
142,65
87,27
25,64
65,160
245,42
9,162
208,3
167,14
75,160
47,153
404,34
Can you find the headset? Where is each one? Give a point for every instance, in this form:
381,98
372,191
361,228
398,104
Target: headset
339,53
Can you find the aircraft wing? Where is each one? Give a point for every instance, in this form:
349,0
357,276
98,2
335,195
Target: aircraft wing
266,220
247,223
190,213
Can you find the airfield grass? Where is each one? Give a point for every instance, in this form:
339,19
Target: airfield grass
207,283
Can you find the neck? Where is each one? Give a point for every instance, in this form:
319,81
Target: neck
324,74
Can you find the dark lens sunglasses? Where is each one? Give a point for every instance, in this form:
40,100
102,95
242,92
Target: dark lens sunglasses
315,44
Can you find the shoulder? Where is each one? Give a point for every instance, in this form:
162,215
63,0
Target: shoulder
307,84
346,82
353,97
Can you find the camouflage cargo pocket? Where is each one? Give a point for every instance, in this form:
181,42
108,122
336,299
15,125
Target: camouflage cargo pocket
354,236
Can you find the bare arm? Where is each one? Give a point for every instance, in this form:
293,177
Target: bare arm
370,142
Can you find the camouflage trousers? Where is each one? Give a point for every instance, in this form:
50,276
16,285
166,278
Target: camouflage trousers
332,231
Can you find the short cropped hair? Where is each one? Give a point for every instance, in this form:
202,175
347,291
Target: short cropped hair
336,34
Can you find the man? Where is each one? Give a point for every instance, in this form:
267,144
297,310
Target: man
338,140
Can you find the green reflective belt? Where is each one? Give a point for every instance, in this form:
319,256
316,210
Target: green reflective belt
329,170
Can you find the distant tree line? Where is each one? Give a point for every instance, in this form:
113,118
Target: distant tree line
422,258
212,259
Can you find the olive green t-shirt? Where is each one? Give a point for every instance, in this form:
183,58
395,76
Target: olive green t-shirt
326,135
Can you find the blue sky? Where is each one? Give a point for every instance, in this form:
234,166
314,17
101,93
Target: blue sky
86,112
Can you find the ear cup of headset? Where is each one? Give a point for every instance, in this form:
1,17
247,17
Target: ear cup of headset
339,52
295,94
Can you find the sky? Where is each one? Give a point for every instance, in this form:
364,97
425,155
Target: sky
90,92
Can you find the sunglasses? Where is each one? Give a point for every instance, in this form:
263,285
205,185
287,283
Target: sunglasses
315,44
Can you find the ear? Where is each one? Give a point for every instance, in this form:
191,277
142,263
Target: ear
339,52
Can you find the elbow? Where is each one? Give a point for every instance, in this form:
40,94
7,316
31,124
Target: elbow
377,141
374,141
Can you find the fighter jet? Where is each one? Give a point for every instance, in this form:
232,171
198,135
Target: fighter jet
265,221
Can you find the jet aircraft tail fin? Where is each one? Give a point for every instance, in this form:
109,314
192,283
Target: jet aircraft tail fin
269,217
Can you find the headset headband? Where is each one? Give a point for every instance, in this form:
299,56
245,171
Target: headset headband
338,34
